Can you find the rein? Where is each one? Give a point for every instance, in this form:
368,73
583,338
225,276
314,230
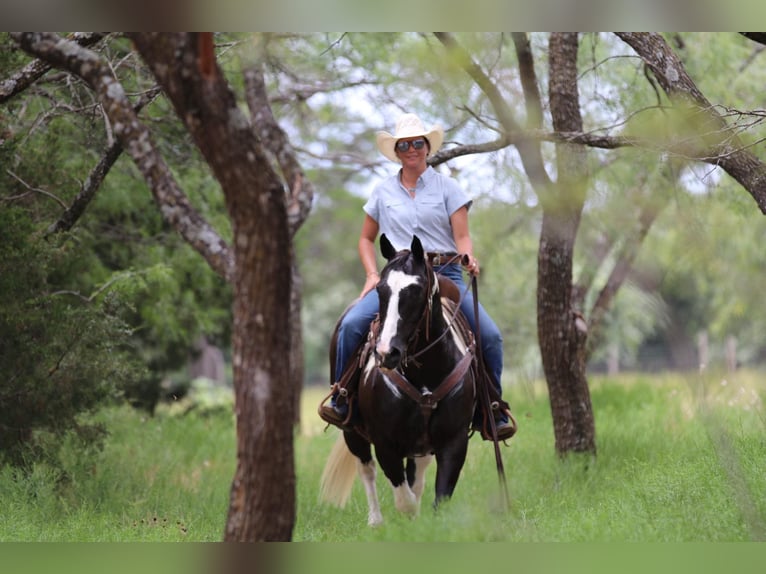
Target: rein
484,397
427,319
429,400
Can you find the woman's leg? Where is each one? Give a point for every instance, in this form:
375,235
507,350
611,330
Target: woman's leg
353,329
491,338
491,349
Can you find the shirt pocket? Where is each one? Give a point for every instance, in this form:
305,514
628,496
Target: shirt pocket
396,209
433,213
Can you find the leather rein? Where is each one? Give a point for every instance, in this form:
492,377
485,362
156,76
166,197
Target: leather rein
429,400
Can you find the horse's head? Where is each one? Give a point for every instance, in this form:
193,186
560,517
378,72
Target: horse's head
405,289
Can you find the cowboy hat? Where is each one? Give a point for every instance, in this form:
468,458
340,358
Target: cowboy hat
409,126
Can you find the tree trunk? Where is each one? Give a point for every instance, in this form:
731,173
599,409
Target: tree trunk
262,502
562,331
562,335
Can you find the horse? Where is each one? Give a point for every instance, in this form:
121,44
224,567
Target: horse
416,394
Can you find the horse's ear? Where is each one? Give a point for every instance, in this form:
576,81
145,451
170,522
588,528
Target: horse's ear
417,249
386,248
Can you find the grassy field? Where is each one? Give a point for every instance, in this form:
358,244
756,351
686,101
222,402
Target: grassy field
680,458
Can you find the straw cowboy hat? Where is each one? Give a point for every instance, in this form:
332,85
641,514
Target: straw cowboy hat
409,126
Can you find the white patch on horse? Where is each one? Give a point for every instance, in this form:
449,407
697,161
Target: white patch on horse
393,389
367,474
421,463
456,336
397,282
369,366
405,500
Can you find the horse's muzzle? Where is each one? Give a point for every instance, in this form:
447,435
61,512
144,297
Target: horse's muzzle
388,360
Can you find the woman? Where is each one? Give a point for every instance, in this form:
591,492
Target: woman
416,201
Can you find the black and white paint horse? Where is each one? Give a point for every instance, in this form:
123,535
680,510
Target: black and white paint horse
416,395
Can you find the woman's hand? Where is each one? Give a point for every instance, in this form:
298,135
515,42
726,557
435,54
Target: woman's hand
471,264
369,283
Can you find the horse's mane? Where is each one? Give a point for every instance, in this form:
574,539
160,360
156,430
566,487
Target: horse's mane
405,259
399,258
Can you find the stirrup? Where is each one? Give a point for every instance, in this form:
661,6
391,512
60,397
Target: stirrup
503,433
330,415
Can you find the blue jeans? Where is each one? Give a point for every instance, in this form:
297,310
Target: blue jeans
357,320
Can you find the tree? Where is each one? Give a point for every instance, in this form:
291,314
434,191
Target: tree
563,327
559,156
258,263
93,200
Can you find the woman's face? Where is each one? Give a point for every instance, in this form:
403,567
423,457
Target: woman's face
412,156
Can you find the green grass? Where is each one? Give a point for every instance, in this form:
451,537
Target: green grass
679,459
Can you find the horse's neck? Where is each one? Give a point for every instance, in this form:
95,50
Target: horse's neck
441,350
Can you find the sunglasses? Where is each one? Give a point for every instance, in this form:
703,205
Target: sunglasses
405,145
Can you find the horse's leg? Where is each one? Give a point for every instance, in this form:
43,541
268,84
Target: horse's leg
449,463
416,474
393,467
366,469
367,474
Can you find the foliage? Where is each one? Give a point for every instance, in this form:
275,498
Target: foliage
373,77
681,459
699,269
63,354
168,295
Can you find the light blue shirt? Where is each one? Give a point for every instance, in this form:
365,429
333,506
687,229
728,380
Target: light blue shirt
427,215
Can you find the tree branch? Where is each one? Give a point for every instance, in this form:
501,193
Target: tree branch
53,196
136,139
715,142
529,151
532,98
301,190
96,177
649,210
759,37
33,71
446,154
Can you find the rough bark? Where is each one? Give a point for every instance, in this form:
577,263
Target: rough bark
262,501
562,331
300,195
716,143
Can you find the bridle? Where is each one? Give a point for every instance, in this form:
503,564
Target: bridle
432,288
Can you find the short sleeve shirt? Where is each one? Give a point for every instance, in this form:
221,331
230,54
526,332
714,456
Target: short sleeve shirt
426,215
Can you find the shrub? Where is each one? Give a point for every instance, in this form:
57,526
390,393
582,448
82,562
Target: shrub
62,355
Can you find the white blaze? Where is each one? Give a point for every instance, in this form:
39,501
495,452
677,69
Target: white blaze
397,281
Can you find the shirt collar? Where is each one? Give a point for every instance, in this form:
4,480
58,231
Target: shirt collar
426,176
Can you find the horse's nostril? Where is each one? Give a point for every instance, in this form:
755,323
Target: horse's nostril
389,360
